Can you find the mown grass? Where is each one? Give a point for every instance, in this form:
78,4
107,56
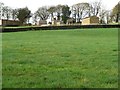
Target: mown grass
82,58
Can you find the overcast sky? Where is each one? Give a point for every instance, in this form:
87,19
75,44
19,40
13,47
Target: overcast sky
33,5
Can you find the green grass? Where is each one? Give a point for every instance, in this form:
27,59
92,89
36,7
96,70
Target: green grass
0,61
82,58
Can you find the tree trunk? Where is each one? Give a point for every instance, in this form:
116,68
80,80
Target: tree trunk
117,18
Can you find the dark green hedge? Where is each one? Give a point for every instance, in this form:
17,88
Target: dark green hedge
57,27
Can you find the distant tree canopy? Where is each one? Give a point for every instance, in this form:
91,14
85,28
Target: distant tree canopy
80,10
23,14
65,13
116,12
51,10
14,14
59,11
62,12
6,11
95,8
42,13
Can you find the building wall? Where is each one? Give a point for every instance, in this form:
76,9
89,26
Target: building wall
90,20
53,22
56,22
94,20
86,21
10,23
71,21
42,22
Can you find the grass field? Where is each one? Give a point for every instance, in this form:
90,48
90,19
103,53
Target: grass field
0,61
82,58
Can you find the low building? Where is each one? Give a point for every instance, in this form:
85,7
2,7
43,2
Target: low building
90,20
42,22
71,21
4,22
56,22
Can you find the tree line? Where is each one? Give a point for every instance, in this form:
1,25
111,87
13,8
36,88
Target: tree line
21,14
63,13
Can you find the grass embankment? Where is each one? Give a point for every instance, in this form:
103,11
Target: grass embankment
83,58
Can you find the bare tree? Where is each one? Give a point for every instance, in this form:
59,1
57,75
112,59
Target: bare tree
51,11
74,12
6,12
1,9
59,11
116,13
80,10
102,16
95,8
34,17
42,13
108,16
14,14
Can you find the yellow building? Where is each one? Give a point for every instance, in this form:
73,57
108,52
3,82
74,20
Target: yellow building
56,22
90,20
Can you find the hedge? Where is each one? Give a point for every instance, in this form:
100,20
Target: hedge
56,27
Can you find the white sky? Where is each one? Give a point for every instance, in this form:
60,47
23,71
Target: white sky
33,5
